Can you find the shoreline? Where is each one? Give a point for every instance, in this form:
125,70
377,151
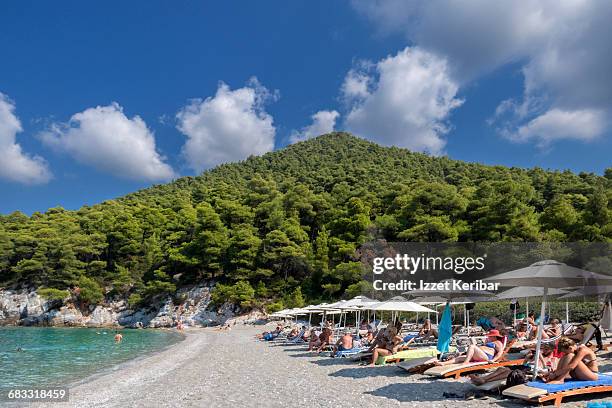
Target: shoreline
230,368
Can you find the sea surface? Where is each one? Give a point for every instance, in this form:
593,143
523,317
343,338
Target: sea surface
44,356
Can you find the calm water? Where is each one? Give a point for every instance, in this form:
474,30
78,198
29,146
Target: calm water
55,356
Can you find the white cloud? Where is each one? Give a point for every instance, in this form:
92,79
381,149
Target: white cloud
322,122
227,127
407,101
15,165
106,139
557,124
561,45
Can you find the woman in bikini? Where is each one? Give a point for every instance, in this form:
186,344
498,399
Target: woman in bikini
579,363
387,345
491,351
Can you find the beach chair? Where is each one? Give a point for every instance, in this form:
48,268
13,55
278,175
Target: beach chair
456,370
524,344
350,353
414,353
539,392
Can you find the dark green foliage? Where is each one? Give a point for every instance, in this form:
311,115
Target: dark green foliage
53,294
285,227
89,291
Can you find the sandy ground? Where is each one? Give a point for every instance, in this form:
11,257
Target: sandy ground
231,369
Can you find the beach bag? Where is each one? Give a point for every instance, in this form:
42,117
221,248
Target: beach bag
516,377
515,305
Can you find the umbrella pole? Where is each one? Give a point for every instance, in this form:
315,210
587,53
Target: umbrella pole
527,307
540,330
566,312
437,315
514,321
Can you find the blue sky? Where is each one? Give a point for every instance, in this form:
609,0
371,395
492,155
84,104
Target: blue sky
158,90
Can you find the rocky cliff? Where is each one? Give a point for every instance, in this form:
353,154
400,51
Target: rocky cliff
26,307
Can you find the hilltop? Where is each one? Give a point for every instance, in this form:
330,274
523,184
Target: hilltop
275,229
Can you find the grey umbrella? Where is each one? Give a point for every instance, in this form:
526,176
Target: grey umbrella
549,274
531,291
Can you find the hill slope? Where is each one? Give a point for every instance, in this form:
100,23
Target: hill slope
287,224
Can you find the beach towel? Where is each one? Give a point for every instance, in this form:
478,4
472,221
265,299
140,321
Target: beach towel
571,384
420,352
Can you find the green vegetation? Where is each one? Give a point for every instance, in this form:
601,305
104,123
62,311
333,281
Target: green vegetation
284,227
53,294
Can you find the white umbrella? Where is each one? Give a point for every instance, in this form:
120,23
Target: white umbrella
549,274
400,305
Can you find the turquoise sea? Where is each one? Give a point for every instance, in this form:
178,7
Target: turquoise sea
58,356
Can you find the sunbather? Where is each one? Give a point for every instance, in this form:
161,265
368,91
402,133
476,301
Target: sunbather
553,331
344,343
325,339
522,330
547,360
385,345
425,332
491,351
270,335
579,363
314,341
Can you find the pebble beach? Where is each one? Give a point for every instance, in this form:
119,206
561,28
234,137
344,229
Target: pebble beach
231,369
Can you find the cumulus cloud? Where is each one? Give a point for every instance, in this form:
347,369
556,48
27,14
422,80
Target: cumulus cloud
15,165
403,100
322,122
226,127
106,139
558,124
562,48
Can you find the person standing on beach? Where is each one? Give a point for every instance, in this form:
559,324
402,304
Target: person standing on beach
118,337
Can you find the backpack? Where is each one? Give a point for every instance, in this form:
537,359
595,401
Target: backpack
516,377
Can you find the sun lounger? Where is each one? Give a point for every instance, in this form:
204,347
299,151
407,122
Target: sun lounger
539,392
349,353
417,365
523,344
456,370
419,352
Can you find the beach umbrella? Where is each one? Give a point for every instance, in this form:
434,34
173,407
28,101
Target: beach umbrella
449,292
549,274
588,291
445,330
531,291
398,304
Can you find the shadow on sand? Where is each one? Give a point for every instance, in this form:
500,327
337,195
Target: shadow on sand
365,372
414,392
327,362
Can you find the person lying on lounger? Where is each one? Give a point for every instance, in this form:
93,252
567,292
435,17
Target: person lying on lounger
547,360
552,331
270,335
491,351
425,332
578,363
344,343
522,330
386,345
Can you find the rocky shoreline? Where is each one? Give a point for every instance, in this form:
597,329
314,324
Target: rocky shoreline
27,308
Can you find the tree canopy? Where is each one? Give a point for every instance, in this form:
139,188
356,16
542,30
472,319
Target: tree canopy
284,227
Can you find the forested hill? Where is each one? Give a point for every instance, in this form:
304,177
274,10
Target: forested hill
286,225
